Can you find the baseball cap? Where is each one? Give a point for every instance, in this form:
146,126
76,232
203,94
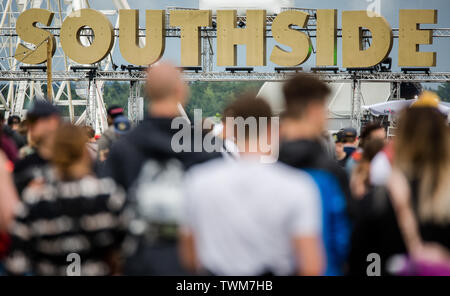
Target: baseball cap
41,109
338,137
13,119
349,132
115,111
121,125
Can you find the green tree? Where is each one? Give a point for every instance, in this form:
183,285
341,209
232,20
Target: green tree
444,91
212,97
116,93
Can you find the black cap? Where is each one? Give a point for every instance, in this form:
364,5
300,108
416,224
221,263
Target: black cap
350,132
115,111
338,137
41,109
13,119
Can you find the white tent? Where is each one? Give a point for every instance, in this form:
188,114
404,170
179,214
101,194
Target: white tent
339,105
393,107
272,93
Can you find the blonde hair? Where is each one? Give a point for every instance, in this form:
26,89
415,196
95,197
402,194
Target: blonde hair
422,152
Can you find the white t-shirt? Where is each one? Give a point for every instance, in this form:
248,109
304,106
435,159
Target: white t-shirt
244,215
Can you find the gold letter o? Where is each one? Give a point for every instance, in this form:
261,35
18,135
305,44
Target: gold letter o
70,36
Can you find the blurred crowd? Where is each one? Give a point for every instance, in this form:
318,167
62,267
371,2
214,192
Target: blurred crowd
349,202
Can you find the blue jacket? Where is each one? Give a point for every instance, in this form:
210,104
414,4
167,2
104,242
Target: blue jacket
334,192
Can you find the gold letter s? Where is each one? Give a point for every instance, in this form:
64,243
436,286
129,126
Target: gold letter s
28,32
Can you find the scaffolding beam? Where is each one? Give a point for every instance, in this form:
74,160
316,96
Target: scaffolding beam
437,77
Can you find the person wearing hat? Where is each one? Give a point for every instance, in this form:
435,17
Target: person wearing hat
43,119
121,125
371,131
14,122
341,155
350,136
109,136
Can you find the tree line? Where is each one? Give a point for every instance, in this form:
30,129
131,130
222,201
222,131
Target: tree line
211,97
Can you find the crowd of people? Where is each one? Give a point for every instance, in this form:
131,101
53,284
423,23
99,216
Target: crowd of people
128,204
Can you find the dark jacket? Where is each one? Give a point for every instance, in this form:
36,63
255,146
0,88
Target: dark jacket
155,250
8,147
333,186
40,245
430,231
28,169
18,139
375,230
149,140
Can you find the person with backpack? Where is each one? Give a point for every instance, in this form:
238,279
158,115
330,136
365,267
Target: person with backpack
301,129
144,162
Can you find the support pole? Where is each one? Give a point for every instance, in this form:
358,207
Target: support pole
49,69
356,104
207,52
91,104
135,103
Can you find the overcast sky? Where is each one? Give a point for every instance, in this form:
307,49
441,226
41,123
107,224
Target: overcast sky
389,9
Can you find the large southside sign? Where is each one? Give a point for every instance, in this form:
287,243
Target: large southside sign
228,36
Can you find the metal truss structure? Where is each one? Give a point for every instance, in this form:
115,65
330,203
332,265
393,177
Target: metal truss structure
17,92
27,85
78,76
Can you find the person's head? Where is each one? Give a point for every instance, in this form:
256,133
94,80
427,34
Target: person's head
113,112
372,130
350,136
23,128
422,152
121,125
339,144
70,157
165,90
250,120
305,97
360,177
42,119
371,148
14,122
